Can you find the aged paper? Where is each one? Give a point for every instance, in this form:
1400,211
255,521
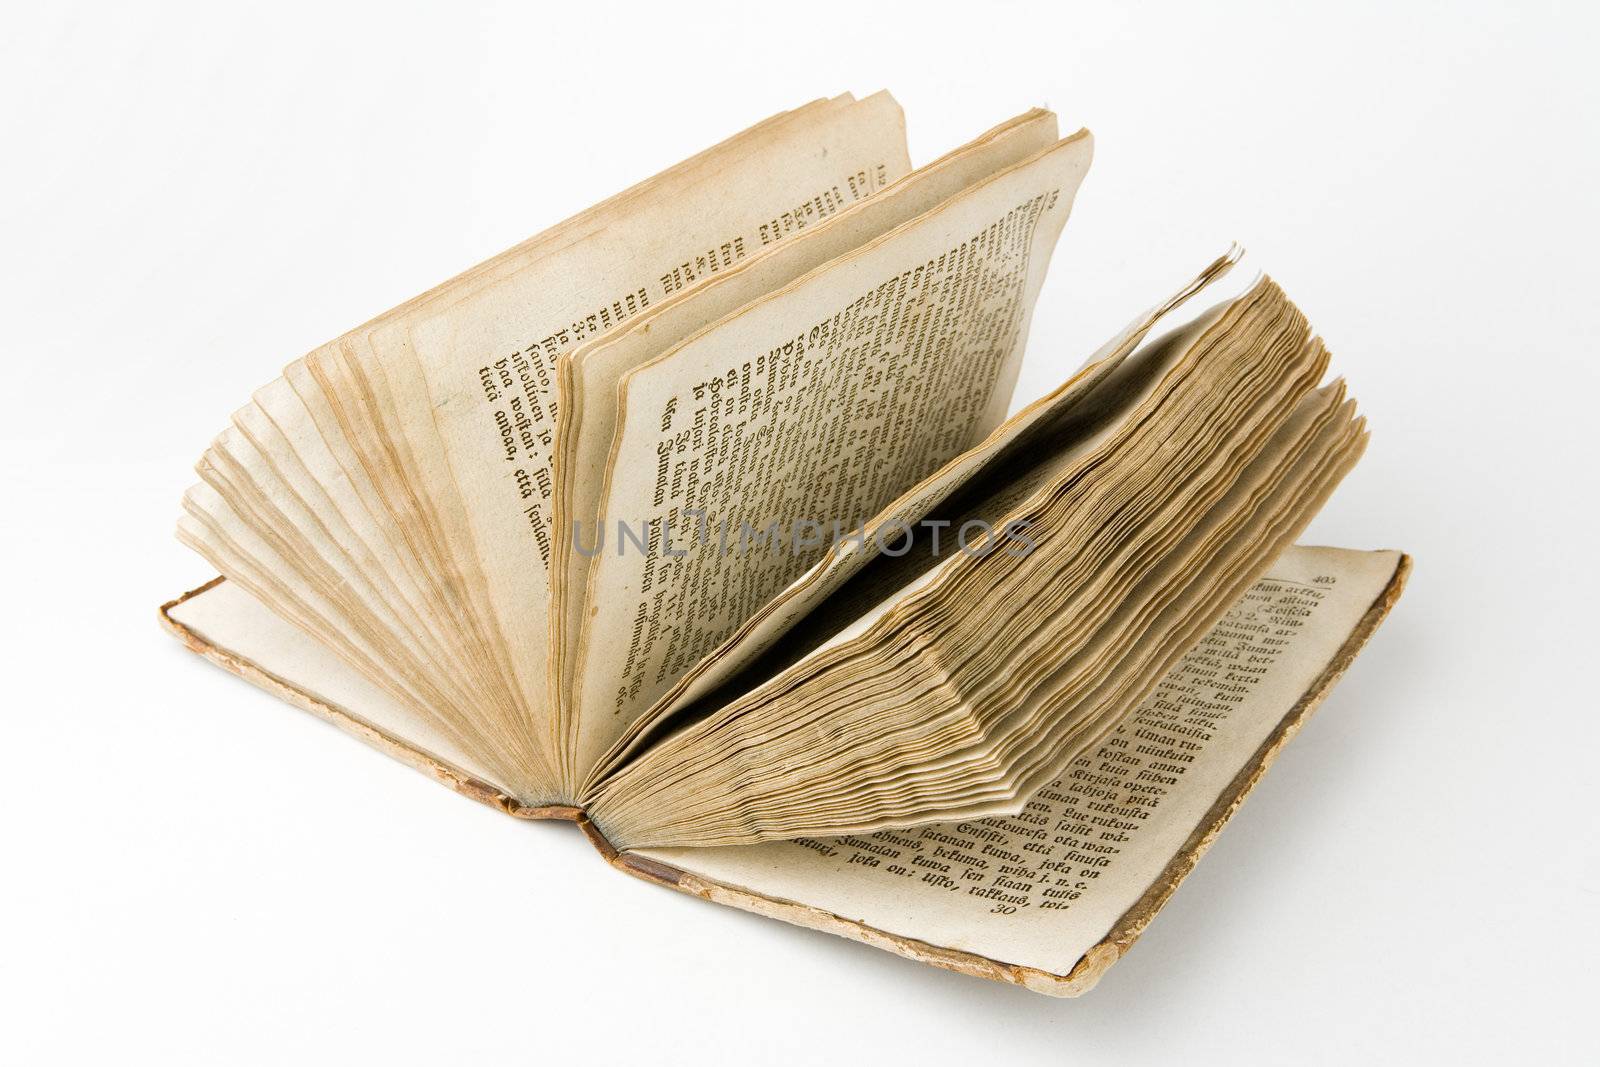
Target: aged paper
1041,888
844,560
471,381
590,374
814,407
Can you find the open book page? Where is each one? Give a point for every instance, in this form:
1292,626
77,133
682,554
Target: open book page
470,381
806,595
589,375
1076,870
960,702
384,535
815,406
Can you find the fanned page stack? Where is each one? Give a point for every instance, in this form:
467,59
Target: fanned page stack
696,520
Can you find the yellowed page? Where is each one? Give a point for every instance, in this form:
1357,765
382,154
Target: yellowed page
786,610
356,419
591,373
471,381
1042,888
817,405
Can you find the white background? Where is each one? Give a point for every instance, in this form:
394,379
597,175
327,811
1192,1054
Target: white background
192,196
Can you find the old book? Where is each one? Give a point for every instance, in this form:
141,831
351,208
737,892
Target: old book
696,520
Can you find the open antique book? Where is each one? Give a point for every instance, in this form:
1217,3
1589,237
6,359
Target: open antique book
696,520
